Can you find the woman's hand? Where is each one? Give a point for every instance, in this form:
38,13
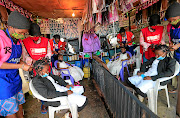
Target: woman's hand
140,73
121,44
147,78
175,47
68,86
55,52
25,67
126,44
69,92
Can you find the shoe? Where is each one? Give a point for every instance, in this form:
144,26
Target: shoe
43,111
172,91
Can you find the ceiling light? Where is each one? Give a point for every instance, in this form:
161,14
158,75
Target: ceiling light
73,14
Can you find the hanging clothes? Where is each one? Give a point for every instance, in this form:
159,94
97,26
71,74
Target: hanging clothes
97,5
91,42
105,18
113,14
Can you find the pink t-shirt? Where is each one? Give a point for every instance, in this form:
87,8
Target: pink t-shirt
5,47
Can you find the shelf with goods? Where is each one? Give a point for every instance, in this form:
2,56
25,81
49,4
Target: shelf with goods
71,57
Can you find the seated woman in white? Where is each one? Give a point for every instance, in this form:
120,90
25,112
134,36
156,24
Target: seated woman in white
75,71
115,66
51,86
155,68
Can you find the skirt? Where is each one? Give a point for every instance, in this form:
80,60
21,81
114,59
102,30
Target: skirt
11,105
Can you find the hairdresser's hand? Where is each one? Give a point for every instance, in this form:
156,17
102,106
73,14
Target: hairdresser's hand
30,69
25,67
147,78
123,60
175,47
55,53
126,44
140,73
121,44
69,92
33,61
68,86
153,46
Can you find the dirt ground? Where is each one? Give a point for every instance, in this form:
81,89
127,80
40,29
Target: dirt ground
94,109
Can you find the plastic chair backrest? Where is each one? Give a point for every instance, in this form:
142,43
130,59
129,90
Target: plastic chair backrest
35,93
55,63
129,54
38,96
175,73
176,69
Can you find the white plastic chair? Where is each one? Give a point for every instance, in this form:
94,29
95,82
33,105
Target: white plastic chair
138,57
63,100
25,82
153,93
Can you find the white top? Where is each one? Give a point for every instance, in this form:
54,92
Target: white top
153,70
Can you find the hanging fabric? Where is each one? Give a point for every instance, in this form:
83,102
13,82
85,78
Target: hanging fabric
105,16
113,14
99,18
95,6
130,1
126,7
143,1
91,42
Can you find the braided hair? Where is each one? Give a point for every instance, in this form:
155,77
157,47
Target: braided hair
39,65
164,48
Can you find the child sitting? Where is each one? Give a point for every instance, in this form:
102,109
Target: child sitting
115,66
51,86
75,71
155,68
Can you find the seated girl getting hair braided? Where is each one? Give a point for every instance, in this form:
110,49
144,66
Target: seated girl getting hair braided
51,86
155,68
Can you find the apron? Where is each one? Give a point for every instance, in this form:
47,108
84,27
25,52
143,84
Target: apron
10,79
175,36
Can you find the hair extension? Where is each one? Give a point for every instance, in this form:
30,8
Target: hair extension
39,65
164,48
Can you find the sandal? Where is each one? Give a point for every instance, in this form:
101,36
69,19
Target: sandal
43,110
67,115
172,91
77,84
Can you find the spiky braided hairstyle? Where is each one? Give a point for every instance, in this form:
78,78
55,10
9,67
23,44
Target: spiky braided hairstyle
39,65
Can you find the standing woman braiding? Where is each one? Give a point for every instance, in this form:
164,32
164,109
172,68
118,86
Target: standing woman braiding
11,95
